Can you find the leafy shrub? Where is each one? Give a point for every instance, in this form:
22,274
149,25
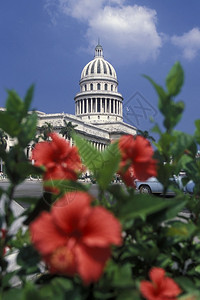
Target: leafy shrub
102,248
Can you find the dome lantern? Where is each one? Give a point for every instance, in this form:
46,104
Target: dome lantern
98,51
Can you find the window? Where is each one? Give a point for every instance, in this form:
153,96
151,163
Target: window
98,86
85,87
98,66
106,86
91,86
111,87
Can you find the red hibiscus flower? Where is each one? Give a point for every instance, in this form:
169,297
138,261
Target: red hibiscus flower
3,233
61,161
75,238
160,287
136,159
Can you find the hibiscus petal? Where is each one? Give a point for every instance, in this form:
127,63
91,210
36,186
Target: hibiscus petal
91,262
70,210
45,235
42,153
143,171
148,291
171,289
102,229
157,275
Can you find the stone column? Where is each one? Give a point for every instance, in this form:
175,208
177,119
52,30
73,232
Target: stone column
96,105
87,106
101,105
80,103
109,105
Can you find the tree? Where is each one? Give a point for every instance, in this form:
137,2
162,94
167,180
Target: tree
45,130
3,139
145,134
67,130
3,145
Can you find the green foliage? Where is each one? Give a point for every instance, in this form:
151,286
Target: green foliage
175,79
171,110
102,164
68,129
157,231
45,130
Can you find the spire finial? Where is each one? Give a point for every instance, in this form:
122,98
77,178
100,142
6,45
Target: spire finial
98,50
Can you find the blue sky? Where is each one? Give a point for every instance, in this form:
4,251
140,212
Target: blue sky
48,42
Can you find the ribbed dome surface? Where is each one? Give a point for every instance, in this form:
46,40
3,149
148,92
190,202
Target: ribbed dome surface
98,67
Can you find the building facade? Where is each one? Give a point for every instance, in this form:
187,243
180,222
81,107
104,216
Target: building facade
98,106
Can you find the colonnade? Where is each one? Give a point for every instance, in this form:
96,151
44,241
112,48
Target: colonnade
98,145
99,105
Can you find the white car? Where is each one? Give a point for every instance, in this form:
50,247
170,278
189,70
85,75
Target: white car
153,186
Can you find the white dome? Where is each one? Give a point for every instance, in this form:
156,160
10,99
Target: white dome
98,67
98,100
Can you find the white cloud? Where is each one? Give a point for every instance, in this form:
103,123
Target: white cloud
127,33
189,43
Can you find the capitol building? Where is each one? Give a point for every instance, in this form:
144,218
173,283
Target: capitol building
98,106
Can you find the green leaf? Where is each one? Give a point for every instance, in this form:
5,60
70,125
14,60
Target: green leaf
28,129
56,288
14,293
9,124
175,79
186,284
197,131
184,142
173,114
15,105
122,276
129,295
91,157
31,292
60,289
18,169
194,295
28,258
20,239
160,91
28,98
181,230
141,206
110,158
